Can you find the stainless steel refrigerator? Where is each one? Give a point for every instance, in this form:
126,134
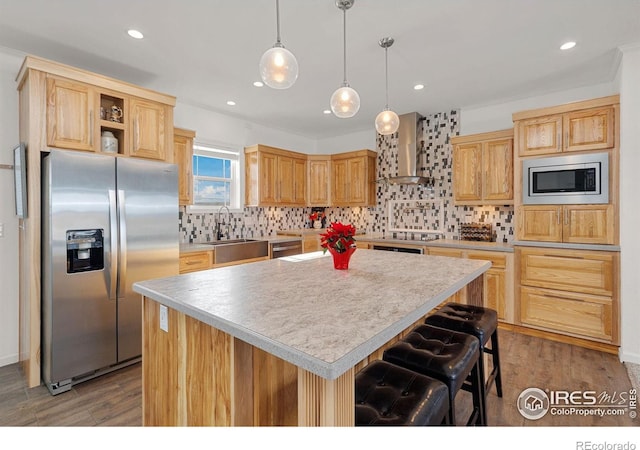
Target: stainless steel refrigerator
107,222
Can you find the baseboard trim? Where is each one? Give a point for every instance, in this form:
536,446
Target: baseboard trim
9,359
629,356
585,343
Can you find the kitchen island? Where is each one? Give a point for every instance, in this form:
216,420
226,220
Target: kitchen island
278,342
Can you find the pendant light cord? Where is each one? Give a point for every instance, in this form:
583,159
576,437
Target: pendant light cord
278,22
386,78
344,43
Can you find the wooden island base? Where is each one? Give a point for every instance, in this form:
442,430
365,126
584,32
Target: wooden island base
197,375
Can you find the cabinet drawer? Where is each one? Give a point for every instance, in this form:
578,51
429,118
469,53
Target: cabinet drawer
569,270
452,252
190,262
498,261
582,315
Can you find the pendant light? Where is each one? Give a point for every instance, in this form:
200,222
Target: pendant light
387,122
278,66
345,101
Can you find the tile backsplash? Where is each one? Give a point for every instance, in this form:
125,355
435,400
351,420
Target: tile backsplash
434,160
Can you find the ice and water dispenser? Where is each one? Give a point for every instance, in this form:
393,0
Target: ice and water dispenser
85,250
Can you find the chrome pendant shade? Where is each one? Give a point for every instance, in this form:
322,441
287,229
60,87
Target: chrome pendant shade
345,101
278,66
387,121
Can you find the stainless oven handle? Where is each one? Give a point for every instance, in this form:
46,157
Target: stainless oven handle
288,247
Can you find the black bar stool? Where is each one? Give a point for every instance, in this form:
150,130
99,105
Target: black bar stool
480,322
448,356
387,394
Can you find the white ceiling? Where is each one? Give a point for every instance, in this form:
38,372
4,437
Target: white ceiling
205,52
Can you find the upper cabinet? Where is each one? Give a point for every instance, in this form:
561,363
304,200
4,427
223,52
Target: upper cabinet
580,130
483,168
183,157
70,114
89,112
149,129
354,178
274,177
318,180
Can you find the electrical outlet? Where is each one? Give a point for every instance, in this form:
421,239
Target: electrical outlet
1,230
164,318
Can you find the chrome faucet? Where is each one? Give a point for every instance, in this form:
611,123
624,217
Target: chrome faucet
219,233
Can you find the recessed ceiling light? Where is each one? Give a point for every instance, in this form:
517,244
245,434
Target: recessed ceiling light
135,34
258,83
418,87
231,103
326,111
567,45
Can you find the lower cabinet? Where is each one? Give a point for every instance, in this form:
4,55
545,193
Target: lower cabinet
498,280
571,292
203,260
194,261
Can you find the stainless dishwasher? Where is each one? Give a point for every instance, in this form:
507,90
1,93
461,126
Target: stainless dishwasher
286,248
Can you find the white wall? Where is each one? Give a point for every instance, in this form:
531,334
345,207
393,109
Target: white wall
9,137
346,143
499,116
216,128
629,205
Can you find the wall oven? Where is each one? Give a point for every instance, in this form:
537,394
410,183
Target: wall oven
572,179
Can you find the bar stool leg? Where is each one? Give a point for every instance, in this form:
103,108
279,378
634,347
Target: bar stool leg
495,353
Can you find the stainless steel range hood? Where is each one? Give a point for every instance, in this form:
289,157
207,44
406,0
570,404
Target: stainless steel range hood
408,141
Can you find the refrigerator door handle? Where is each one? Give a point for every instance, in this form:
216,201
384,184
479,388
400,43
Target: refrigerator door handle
122,254
113,233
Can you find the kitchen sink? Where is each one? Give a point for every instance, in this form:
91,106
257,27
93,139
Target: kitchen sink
232,250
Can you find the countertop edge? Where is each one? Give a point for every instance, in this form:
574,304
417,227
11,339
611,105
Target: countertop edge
328,371
568,246
447,243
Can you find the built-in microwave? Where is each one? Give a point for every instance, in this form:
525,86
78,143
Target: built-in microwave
572,179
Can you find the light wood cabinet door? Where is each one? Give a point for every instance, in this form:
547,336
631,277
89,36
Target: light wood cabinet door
494,292
357,184
467,166
574,314
497,174
588,224
268,178
291,181
183,157
584,224
319,175
71,121
591,129
299,182
340,189
540,223
541,135
285,181
148,129
194,261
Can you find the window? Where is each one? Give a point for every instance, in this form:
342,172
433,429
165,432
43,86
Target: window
216,178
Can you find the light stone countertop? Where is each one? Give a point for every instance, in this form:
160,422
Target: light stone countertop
306,312
199,247
448,243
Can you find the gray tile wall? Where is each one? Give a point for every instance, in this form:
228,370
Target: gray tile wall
434,153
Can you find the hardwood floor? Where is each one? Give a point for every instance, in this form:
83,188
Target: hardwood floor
115,399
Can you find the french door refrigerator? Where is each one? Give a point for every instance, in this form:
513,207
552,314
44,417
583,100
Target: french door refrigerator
107,222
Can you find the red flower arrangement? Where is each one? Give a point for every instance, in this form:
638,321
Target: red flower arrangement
339,237
317,216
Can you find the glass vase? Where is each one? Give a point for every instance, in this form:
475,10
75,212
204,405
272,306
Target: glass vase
341,260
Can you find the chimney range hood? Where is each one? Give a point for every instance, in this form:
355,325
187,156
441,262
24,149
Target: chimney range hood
408,141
